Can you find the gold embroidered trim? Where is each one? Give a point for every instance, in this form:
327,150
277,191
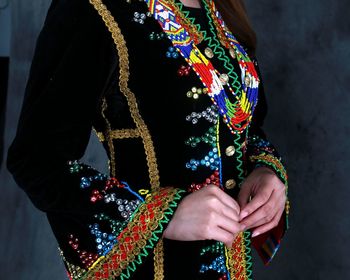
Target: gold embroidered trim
236,259
272,160
124,74
159,260
120,134
133,239
112,166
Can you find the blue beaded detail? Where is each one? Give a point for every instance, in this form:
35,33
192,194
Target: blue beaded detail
259,144
212,160
217,265
85,182
172,53
104,241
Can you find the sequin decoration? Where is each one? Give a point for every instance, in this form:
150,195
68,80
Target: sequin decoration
172,53
184,71
104,241
214,179
211,161
216,248
259,144
195,92
86,258
125,207
86,181
218,265
210,114
208,138
157,36
116,225
140,17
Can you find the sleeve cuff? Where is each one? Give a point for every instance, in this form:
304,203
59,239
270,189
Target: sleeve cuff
137,240
268,243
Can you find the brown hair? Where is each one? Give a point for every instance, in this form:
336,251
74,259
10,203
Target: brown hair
235,16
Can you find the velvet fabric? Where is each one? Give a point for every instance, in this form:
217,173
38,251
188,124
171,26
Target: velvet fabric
75,67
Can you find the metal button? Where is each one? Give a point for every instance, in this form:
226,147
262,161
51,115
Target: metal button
209,52
247,80
232,53
230,184
223,79
230,151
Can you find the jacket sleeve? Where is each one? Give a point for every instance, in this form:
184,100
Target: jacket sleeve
69,71
261,152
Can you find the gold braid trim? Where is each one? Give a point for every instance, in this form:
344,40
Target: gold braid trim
124,74
139,234
109,140
236,259
120,134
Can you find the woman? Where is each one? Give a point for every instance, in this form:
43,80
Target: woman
173,97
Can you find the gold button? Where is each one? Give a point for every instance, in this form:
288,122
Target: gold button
230,151
247,80
224,79
232,53
209,52
230,184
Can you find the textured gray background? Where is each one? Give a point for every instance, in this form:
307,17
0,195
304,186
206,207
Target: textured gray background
304,51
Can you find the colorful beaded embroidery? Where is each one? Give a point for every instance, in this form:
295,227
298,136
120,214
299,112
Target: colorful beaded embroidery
237,115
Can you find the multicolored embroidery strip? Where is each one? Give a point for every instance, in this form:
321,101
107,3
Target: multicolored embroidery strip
137,240
236,115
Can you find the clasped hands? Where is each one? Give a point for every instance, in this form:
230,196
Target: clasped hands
212,214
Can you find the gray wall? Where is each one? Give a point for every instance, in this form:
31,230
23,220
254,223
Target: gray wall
5,27
304,51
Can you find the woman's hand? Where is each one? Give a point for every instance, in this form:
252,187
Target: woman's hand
265,209
205,214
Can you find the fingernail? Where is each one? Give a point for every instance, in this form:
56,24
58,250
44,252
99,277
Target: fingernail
244,214
255,234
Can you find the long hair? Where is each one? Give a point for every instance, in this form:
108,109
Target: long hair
235,16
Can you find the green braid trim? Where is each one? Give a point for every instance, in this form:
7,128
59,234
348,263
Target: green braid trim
248,255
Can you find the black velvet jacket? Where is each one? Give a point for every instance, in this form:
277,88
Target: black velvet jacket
108,225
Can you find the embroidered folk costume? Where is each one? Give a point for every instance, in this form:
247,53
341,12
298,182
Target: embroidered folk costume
177,103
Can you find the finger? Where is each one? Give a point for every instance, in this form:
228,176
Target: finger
257,201
222,235
244,194
279,208
264,214
266,227
226,199
227,224
226,211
